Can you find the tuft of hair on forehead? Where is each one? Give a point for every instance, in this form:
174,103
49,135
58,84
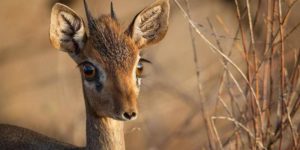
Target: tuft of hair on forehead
115,48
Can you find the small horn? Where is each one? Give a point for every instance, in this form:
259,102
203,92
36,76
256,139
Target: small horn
112,12
91,22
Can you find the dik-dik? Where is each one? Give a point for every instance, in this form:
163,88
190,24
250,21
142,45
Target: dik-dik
111,69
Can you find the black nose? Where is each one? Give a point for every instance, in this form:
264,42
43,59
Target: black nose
129,115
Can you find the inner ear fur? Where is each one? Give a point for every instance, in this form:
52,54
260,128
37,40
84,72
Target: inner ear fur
151,24
67,31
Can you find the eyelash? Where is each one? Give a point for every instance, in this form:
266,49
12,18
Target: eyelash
143,60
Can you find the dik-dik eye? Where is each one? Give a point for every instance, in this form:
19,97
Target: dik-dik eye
89,71
139,70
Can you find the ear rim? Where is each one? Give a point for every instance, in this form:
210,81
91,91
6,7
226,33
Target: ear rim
130,30
57,9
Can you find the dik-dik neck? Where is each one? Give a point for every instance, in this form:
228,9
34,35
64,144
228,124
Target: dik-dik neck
103,133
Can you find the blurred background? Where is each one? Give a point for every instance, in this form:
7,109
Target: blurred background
41,89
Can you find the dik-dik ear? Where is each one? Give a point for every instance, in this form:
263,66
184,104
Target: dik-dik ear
151,24
67,31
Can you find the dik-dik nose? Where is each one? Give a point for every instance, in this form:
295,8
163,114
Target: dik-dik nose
129,115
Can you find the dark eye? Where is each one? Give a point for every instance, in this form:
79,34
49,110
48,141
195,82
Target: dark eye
139,70
89,71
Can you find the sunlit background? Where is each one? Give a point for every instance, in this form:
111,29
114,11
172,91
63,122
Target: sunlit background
40,87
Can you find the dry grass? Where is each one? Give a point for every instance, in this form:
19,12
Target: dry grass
267,120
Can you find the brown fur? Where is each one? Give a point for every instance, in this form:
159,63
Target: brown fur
116,49
17,138
117,54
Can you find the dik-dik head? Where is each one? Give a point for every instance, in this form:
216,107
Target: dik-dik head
108,56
